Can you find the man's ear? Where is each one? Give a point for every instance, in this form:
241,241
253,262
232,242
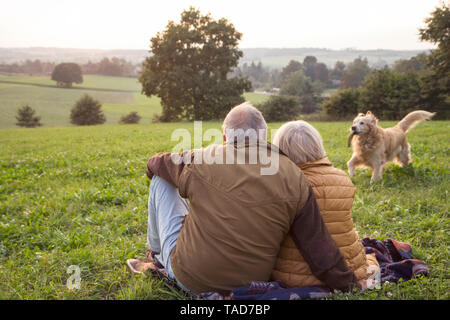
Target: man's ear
224,138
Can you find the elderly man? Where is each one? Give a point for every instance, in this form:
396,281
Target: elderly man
230,231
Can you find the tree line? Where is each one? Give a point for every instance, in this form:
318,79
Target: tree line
421,82
300,85
108,67
340,76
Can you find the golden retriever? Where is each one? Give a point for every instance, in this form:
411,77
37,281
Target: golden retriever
374,147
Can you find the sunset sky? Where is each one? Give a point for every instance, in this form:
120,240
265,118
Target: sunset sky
334,24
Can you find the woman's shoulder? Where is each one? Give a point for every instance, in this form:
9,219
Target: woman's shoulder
328,175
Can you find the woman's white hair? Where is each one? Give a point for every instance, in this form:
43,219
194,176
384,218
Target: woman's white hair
244,121
300,141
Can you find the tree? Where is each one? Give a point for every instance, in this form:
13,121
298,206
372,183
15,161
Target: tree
33,67
87,111
110,68
130,118
189,68
343,104
26,117
256,73
414,64
280,108
309,67
354,73
338,70
438,32
391,95
298,84
292,66
321,73
66,73
436,81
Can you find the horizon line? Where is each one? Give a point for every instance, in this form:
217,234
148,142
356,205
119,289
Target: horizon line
284,48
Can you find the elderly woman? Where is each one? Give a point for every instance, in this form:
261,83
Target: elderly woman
334,192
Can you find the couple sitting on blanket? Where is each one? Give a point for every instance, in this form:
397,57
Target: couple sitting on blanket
241,226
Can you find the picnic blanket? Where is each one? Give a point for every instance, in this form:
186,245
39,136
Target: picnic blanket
395,259
393,256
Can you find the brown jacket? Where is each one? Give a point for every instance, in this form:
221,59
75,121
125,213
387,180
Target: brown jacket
238,218
334,192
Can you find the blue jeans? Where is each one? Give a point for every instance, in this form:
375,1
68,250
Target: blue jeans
166,212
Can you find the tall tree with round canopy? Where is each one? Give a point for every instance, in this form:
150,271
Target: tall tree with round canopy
190,65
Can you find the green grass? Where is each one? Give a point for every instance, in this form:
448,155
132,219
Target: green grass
118,95
89,82
328,92
256,98
78,196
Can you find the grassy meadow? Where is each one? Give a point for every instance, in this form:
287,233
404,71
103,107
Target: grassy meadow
78,195
118,95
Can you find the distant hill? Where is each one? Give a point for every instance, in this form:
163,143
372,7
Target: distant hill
278,58
12,55
275,58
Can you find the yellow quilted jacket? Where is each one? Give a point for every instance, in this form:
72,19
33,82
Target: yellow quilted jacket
334,192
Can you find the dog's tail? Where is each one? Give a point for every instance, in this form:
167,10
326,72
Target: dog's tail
413,118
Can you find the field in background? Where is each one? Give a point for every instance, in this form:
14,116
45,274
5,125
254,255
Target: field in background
78,196
118,95
274,58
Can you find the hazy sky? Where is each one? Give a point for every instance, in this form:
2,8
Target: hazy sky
334,24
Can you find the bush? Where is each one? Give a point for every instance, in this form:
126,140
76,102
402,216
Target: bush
130,118
26,118
157,118
344,104
280,108
391,95
87,111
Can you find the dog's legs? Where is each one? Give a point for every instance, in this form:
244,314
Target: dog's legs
404,156
352,163
383,168
376,174
378,165
378,170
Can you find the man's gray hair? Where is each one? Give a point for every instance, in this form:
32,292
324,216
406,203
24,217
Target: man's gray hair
244,121
300,141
